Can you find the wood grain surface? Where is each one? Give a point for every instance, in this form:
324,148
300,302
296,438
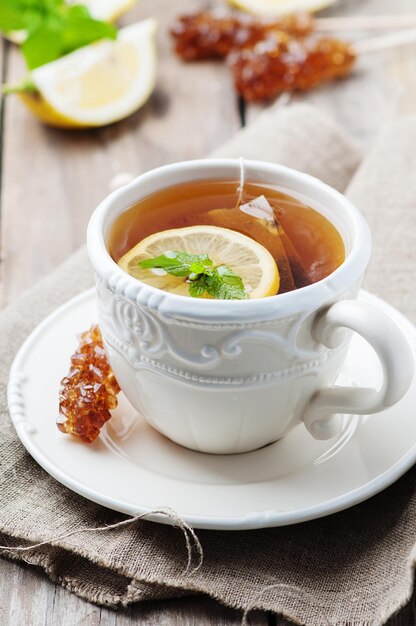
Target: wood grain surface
52,180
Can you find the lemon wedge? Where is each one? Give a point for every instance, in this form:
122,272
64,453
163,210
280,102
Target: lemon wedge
247,258
281,7
98,84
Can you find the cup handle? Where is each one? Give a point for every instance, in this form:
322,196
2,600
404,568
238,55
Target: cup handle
392,349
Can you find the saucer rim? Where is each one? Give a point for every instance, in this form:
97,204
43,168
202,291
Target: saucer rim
254,520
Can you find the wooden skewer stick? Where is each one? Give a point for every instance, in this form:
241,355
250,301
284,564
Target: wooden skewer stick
392,40
367,22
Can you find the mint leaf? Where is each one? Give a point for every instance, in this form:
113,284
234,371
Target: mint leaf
54,28
179,263
220,282
25,14
42,46
15,15
77,10
224,284
197,288
80,29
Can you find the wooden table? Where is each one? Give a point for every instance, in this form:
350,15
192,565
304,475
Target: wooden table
52,180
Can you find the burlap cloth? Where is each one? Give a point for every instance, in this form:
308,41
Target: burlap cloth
356,566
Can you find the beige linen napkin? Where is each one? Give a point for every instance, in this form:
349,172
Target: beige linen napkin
354,567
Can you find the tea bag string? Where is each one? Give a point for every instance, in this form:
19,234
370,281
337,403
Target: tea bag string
193,545
242,183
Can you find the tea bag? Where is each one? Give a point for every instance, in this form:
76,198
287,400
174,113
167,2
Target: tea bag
261,209
262,230
263,212
258,220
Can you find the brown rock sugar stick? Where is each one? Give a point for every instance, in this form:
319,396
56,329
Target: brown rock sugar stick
213,34
282,63
89,391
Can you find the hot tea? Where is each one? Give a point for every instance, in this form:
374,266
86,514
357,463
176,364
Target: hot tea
304,244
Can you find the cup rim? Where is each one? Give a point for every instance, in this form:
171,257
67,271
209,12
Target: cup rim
305,298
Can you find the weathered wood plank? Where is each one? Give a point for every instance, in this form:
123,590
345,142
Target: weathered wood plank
198,611
54,179
24,596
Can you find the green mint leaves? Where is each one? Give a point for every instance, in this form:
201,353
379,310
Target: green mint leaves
220,282
179,263
53,27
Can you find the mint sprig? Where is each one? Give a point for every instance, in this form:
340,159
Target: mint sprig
53,27
220,281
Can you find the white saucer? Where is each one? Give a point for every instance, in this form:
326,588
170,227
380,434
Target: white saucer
133,469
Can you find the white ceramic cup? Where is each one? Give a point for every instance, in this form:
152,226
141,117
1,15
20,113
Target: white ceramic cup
232,376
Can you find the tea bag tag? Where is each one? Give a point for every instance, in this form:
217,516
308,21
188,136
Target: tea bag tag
259,208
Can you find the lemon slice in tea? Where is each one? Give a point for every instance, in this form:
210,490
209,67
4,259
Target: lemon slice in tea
247,258
98,84
281,7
